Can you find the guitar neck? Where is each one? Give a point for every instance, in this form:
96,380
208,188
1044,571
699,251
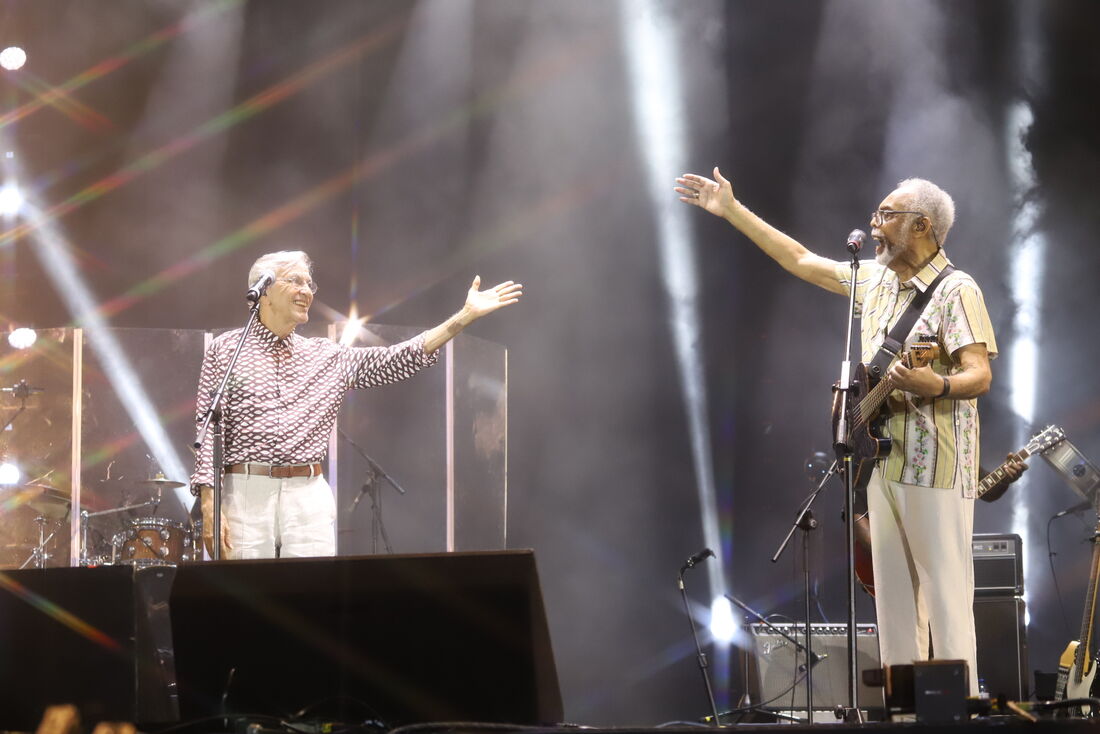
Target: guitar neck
873,400
990,480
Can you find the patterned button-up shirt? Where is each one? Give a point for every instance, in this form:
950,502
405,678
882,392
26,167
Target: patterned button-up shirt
935,442
281,401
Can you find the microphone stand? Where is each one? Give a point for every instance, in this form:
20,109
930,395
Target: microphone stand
377,525
701,656
807,523
212,422
844,456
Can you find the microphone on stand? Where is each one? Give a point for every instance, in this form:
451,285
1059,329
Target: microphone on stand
855,241
1080,506
261,285
701,657
696,559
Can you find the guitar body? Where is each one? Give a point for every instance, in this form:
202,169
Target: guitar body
864,435
1072,685
1079,666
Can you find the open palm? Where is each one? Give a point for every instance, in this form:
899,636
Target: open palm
481,302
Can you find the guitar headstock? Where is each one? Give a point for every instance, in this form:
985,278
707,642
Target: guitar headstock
921,354
1046,439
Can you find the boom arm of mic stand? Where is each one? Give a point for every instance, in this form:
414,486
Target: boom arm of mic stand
213,415
374,465
809,501
798,646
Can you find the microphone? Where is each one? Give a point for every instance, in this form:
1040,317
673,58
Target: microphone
258,288
697,558
855,241
1076,508
22,390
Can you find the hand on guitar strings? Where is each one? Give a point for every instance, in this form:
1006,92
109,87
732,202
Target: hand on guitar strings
921,381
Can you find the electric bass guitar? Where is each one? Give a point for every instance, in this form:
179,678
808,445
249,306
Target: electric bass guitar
1042,441
865,413
1076,670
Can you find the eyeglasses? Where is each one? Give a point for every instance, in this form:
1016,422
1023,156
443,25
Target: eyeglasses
880,216
297,282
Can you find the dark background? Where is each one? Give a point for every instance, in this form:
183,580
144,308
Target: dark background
409,145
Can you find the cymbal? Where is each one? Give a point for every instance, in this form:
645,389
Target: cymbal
45,500
161,482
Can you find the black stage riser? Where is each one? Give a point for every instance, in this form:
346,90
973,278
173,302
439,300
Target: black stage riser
436,637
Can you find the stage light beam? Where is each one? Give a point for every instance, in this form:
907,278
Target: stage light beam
1029,253
657,96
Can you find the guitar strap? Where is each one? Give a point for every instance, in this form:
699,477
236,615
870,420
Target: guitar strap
895,340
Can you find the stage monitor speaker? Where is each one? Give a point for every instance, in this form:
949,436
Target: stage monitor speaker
401,639
97,638
772,666
1002,646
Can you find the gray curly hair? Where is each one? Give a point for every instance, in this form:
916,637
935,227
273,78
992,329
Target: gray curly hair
276,262
936,204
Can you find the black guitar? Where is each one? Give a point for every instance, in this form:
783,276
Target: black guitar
866,414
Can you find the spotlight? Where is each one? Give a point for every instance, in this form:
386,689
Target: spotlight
11,200
22,338
9,473
13,58
722,626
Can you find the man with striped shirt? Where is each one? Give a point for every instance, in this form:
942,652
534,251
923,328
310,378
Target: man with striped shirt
921,498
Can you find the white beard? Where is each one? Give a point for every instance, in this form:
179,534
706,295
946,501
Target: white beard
890,252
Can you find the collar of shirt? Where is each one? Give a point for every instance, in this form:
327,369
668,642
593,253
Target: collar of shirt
928,273
271,341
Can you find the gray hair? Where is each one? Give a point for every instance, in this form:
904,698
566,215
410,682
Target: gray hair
936,204
277,262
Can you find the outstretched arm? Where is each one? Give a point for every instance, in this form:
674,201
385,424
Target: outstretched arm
478,304
716,196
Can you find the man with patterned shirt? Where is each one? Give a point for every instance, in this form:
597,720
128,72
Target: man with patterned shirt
921,497
281,404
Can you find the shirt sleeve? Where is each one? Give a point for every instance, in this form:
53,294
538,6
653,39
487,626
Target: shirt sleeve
371,366
966,320
869,272
204,457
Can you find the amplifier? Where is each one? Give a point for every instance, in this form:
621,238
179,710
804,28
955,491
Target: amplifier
771,665
998,565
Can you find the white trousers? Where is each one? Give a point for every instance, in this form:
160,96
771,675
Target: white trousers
279,518
924,573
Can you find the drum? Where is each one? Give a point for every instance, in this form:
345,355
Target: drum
153,541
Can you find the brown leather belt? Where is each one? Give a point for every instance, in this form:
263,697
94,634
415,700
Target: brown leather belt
275,471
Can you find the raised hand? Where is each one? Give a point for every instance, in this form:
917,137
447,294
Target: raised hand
715,196
479,303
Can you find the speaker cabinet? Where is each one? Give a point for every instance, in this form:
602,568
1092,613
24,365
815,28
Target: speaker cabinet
1002,646
772,667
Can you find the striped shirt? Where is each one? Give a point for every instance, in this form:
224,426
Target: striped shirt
935,441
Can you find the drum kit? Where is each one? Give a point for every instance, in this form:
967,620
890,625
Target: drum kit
138,541
121,519
36,526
